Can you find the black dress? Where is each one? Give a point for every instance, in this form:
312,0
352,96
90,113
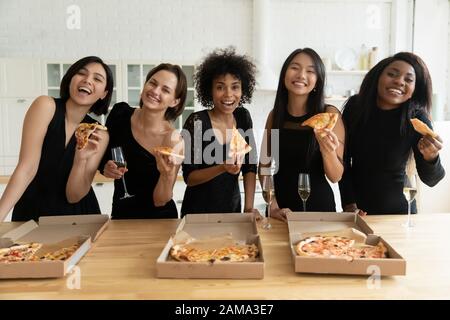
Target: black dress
221,194
46,194
142,175
376,158
295,142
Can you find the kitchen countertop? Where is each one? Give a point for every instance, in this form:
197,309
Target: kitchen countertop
121,265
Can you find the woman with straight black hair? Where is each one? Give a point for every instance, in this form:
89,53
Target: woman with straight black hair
381,139
302,149
48,157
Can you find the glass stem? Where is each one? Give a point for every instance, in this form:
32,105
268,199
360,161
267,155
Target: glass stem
409,214
124,185
304,205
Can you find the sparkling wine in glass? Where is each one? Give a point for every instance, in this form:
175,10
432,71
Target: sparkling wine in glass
119,160
409,191
304,188
268,194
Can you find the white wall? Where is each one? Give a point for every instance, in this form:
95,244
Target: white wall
431,28
115,29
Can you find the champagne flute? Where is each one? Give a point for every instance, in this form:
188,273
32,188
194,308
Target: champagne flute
304,188
268,193
409,191
119,160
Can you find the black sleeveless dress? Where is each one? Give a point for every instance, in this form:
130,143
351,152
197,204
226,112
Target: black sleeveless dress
294,143
221,194
142,175
46,194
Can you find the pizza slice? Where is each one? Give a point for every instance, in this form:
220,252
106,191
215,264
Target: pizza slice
19,252
325,120
84,131
238,145
422,128
168,151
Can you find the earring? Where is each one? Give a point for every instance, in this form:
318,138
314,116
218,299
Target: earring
314,90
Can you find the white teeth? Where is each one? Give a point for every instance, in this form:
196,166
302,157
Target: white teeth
296,83
84,89
395,91
153,98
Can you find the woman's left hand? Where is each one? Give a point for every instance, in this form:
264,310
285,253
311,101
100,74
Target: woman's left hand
255,212
165,164
327,139
91,148
429,147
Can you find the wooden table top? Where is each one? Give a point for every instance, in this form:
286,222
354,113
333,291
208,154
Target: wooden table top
121,265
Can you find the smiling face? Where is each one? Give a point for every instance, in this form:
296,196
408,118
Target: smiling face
396,85
159,91
88,84
226,93
300,77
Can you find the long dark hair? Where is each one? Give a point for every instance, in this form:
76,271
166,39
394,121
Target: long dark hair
315,103
180,90
366,99
101,105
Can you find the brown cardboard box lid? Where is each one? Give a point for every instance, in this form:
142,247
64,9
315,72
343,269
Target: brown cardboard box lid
241,226
52,229
300,224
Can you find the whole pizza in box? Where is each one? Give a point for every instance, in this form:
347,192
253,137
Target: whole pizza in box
212,250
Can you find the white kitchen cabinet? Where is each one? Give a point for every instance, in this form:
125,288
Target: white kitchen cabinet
12,113
20,78
2,189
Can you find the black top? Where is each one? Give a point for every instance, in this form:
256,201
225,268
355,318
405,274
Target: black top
221,194
142,175
376,158
295,142
46,194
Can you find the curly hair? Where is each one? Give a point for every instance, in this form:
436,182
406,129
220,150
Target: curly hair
221,62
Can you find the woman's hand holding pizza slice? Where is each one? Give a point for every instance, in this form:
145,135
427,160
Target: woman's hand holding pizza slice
430,144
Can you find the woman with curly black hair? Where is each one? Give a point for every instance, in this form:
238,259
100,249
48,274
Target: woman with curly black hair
224,81
381,137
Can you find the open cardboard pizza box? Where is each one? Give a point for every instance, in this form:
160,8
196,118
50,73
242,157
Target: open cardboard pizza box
241,227
54,232
302,225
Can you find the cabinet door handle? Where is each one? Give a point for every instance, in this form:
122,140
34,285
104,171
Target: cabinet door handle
21,100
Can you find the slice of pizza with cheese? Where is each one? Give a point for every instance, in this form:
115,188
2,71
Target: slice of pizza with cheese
238,145
325,120
422,128
168,151
84,131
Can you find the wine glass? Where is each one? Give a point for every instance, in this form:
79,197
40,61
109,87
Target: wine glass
409,191
268,193
304,188
119,160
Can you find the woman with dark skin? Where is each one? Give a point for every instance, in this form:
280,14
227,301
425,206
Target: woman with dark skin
381,138
224,81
